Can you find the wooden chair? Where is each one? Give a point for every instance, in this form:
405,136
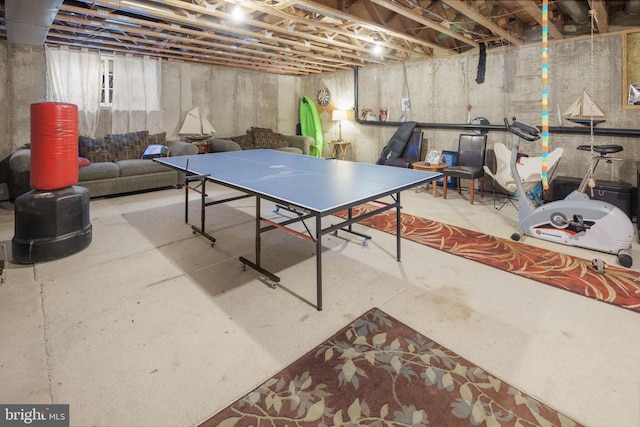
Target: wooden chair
470,162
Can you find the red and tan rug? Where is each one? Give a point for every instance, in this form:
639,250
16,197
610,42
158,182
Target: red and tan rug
377,371
618,286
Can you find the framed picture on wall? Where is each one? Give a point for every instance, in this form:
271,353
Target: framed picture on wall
451,158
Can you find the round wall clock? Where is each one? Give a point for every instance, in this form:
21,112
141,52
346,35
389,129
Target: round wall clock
323,96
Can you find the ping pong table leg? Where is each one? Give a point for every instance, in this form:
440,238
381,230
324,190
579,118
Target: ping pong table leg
318,262
350,229
398,219
256,265
203,213
186,201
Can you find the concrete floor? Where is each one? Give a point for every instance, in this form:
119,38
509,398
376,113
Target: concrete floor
151,326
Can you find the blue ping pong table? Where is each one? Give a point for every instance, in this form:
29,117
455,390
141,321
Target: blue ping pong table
309,187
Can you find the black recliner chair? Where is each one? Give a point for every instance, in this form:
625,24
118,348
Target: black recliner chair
397,144
411,152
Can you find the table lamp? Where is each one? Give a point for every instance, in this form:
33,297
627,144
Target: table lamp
339,116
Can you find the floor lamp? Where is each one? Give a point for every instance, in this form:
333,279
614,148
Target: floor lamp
339,116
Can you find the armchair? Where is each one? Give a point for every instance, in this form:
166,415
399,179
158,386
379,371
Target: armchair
411,152
397,144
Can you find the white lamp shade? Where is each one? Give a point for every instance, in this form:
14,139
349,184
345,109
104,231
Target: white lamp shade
338,115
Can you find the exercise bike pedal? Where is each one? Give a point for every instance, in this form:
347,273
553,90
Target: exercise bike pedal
578,223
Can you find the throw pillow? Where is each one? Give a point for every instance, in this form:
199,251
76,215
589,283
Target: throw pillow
128,145
156,150
95,149
264,138
157,139
244,141
281,141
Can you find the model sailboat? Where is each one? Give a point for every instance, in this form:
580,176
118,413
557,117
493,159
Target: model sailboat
196,127
584,110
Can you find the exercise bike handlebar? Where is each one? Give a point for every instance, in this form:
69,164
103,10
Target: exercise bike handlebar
529,133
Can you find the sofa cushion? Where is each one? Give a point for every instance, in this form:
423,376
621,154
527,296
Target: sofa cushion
100,170
95,149
132,167
128,145
264,138
244,141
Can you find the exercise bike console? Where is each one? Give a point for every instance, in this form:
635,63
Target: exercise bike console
529,133
576,220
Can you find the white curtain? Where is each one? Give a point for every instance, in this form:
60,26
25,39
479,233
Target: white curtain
137,91
75,77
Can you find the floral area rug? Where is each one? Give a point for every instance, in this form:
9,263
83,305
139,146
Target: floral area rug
618,286
377,371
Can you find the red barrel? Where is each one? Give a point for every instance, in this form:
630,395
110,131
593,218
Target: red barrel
54,145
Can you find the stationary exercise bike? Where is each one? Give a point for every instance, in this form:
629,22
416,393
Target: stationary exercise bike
575,220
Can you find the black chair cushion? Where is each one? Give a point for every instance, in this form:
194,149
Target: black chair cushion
464,172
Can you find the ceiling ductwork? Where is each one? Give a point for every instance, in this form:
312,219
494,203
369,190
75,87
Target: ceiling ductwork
29,21
578,10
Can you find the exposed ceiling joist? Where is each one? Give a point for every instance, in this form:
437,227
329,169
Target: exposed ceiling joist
301,37
469,11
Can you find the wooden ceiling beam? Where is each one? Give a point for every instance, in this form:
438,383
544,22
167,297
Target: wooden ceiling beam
125,45
299,37
334,13
87,37
476,16
193,21
210,61
160,39
305,21
532,8
105,15
417,17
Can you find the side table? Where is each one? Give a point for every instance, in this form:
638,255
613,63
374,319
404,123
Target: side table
340,149
430,168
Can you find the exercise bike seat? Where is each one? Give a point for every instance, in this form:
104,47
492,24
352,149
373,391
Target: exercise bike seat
602,149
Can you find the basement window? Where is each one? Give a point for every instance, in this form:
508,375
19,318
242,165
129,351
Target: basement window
106,89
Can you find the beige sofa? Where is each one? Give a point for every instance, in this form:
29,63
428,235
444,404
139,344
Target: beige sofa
116,165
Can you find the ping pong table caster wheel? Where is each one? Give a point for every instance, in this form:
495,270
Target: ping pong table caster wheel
271,284
244,267
365,243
